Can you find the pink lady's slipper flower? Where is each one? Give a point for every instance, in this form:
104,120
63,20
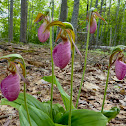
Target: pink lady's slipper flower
62,54
10,87
120,69
93,23
43,34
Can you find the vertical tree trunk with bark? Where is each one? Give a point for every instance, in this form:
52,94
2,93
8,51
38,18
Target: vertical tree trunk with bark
63,12
91,4
123,26
115,34
29,18
97,38
8,19
23,25
11,22
101,36
96,3
108,15
74,19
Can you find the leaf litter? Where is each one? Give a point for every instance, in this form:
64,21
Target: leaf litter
38,64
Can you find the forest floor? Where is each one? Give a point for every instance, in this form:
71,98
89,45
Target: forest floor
38,64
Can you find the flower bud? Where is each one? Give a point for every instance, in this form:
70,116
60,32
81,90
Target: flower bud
93,25
62,54
10,87
43,34
120,69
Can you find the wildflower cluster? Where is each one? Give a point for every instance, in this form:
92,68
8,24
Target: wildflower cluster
50,114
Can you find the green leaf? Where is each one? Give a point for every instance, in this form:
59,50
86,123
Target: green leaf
57,117
13,104
64,95
60,124
58,111
84,117
112,113
43,106
37,117
12,56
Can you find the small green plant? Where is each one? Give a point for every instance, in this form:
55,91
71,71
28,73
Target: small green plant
35,113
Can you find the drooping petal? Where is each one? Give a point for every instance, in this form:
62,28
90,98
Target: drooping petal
43,34
62,54
93,25
120,69
10,87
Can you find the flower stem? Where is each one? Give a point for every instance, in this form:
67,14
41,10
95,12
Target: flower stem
88,35
71,91
52,65
105,90
25,100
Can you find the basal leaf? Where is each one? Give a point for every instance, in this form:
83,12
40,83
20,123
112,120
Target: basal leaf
112,113
57,108
84,117
43,106
64,95
13,104
37,117
60,124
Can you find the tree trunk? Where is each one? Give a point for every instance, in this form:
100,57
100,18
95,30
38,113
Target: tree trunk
91,4
63,13
101,35
96,3
123,26
32,8
8,19
97,38
29,18
74,19
11,22
23,25
109,16
115,34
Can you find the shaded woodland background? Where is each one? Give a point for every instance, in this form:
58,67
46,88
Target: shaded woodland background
17,16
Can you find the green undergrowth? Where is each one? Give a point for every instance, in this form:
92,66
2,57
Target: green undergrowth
99,51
